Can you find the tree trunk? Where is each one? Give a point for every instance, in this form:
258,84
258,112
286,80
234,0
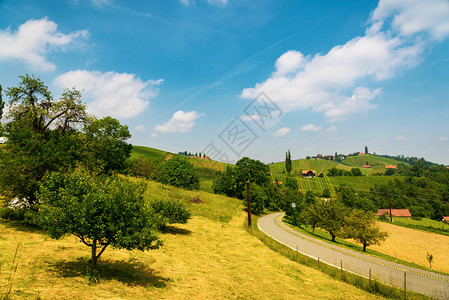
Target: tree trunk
364,247
94,254
333,238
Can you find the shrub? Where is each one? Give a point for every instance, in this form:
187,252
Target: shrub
180,173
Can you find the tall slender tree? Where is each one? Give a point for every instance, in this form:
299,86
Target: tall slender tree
288,162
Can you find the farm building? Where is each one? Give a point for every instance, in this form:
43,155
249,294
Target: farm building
367,166
446,219
390,167
395,212
308,173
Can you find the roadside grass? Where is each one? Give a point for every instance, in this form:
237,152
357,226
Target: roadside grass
425,224
372,286
203,259
390,250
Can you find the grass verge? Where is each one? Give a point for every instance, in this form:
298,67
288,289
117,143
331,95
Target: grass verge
324,236
372,286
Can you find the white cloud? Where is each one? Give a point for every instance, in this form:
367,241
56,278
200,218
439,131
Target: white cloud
119,95
140,128
415,16
289,63
332,129
442,139
399,138
185,2
180,122
310,127
281,132
324,82
34,40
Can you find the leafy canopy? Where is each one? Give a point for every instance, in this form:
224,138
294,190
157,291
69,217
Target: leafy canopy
99,211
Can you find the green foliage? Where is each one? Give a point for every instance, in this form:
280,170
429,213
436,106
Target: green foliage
180,173
106,140
258,197
288,162
232,182
292,196
100,212
361,226
169,212
332,218
310,198
145,167
292,183
326,193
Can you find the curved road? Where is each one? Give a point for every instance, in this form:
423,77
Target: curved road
420,281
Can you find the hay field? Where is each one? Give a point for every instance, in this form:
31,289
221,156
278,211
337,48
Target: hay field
203,259
412,245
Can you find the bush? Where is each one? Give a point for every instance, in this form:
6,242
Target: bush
170,212
144,167
180,173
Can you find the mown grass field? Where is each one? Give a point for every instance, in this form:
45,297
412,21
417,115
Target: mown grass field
211,257
412,245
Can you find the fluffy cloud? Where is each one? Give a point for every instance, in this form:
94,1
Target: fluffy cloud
332,129
119,95
180,122
34,40
442,139
310,127
415,16
331,83
281,132
399,138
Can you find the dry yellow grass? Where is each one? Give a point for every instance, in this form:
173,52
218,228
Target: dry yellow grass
412,245
203,259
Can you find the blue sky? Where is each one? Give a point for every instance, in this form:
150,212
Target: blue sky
246,78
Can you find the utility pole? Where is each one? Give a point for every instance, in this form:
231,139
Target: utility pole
249,204
389,200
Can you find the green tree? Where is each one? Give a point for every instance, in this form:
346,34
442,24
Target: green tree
366,149
106,143
292,183
326,193
312,215
310,198
233,181
145,167
288,162
332,219
99,212
257,199
2,103
356,172
361,226
180,173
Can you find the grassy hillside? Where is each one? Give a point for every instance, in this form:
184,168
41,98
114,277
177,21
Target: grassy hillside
210,257
142,151
319,165
377,163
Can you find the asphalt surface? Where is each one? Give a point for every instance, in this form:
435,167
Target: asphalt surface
417,280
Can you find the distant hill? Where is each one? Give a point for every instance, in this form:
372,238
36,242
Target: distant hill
319,165
377,163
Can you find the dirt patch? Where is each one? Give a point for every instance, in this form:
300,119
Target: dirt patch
196,200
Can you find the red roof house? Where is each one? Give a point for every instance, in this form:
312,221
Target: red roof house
308,173
395,212
366,166
446,219
390,167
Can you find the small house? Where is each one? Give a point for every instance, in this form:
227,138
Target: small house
390,167
394,212
445,219
308,173
367,166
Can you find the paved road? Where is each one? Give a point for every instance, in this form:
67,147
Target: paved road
420,281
